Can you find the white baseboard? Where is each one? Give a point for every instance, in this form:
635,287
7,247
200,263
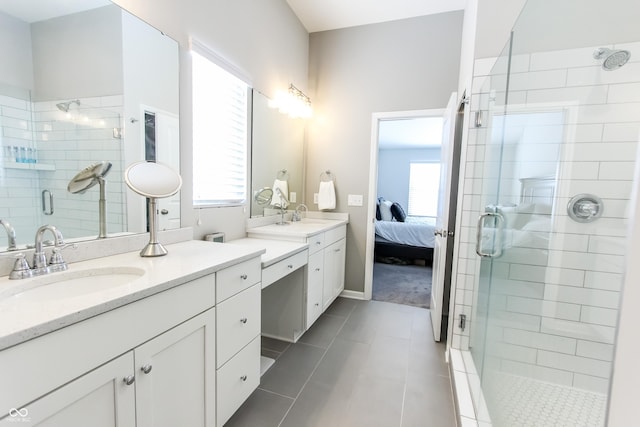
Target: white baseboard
353,294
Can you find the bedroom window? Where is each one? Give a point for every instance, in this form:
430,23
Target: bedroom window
220,133
424,182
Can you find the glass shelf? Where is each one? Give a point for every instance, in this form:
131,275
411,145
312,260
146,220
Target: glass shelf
31,166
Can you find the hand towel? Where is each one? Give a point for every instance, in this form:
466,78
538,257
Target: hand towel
326,195
284,187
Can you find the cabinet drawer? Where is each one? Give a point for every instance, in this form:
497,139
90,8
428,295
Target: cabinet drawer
236,278
316,243
283,268
238,322
335,234
236,380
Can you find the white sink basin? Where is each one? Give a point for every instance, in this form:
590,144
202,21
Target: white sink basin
313,221
69,284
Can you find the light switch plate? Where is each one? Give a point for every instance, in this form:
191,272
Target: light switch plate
292,196
354,200
315,198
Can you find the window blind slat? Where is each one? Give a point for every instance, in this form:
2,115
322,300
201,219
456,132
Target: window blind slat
220,128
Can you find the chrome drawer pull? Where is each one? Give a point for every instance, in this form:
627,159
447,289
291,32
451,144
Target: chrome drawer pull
129,379
146,368
243,320
243,378
243,277
290,266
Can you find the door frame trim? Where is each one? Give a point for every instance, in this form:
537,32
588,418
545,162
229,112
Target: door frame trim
373,184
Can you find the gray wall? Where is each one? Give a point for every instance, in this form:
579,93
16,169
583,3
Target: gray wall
92,68
393,172
402,65
15,43
263,38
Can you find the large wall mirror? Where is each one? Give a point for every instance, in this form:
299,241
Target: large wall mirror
277,155
79,87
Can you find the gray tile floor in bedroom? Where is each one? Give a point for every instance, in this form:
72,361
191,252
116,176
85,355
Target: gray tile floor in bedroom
363,363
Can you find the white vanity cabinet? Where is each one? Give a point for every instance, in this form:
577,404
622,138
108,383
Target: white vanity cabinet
238,314
148,363
163,382
325,271
323,276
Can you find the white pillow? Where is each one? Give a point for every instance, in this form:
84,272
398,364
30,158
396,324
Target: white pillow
385,210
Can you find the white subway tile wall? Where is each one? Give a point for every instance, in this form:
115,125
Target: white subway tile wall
64,143
555,292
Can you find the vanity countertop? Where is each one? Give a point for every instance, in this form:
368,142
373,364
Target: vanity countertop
300,229
275,250
22,319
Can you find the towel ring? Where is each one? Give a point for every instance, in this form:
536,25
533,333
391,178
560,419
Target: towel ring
326,176
282,175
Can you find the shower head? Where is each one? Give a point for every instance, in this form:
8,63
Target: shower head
611,59
64,106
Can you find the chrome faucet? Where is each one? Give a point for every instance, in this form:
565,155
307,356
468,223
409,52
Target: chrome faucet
11,235
39,258
297,214
21,268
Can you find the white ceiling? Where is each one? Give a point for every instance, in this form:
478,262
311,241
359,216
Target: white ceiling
419,132
39,10
315,15
321,15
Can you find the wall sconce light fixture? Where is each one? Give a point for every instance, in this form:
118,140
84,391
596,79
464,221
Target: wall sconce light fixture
293,102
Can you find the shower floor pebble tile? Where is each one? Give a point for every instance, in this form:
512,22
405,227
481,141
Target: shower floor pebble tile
525,402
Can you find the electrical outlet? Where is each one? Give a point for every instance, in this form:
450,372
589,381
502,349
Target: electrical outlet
354,200
315,198
292,196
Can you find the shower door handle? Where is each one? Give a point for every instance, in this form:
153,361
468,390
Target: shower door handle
497,235
47,210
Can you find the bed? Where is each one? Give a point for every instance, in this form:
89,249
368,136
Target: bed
412,239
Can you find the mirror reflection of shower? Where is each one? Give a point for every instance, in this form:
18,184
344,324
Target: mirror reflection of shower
611,59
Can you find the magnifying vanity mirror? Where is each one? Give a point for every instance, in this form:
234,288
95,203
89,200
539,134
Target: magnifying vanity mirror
77,88
87,178
277,156
263,196
153,181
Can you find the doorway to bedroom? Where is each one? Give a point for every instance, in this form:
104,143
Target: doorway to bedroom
408,174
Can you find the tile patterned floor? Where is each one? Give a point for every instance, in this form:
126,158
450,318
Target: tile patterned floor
526,402
363,363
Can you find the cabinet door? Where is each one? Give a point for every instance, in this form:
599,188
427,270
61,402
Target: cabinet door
175,375
334,258
315,274
99,398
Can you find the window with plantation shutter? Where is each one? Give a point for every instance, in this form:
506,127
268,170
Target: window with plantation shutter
424,181
220,134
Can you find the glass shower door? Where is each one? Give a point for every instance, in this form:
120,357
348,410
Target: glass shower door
558,167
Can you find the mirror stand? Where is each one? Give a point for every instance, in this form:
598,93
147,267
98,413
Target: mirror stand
153,248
